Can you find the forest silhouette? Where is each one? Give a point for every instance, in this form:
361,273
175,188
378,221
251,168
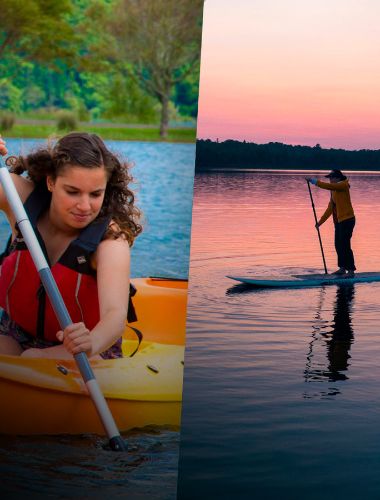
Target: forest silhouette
232,154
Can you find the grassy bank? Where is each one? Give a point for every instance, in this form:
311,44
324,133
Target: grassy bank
36,130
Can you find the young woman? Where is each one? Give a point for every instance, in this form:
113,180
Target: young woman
340,208
77,197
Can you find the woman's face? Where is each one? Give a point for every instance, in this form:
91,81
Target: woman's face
77,196
334,180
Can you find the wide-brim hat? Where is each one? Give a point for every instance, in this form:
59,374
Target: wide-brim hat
337,174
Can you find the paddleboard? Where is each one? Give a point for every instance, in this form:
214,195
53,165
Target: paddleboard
304,280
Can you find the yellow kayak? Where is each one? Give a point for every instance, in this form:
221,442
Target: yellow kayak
48,396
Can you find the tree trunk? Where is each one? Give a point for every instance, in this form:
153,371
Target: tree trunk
164,124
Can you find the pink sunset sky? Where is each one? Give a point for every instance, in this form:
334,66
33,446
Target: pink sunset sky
292,71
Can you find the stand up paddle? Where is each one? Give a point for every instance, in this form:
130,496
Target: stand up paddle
317,227
115,440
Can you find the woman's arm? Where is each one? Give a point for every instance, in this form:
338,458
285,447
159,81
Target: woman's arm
113,270
327,214
333,186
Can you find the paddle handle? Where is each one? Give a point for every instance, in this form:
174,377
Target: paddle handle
317,227
59,307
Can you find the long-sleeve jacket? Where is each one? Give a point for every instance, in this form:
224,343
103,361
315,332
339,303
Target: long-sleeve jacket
340,197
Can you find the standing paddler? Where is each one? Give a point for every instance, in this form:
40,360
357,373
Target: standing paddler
340,207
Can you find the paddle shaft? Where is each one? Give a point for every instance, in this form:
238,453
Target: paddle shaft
59,307
317,227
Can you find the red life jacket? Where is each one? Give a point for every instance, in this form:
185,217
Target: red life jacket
21,292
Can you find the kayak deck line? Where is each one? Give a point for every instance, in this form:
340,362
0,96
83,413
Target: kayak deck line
175,282
305,280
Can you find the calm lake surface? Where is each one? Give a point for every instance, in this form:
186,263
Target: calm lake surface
281,393
78,467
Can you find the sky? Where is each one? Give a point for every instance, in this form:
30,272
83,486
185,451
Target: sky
291,71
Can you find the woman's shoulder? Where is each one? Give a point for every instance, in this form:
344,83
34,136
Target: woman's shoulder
113,247
114,232
113,235
344,185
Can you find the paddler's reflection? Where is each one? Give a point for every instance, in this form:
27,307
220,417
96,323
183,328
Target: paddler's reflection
342,335
336,340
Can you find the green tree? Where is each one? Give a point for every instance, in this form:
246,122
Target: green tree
45,47
162,40
38,30
186,95
125,100
10,96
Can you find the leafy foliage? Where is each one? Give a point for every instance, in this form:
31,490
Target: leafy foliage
31,27
68,55
186,95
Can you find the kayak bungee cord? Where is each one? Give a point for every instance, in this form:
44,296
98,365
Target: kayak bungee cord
115,440
316,226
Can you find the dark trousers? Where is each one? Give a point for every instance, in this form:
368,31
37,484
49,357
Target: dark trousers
343,234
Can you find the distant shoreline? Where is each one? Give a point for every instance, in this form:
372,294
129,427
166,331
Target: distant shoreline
239,156
106,131
280,169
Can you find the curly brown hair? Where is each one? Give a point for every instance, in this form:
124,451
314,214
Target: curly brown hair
88,151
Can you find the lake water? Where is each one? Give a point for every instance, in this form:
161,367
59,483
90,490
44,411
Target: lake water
281,392
78,467
163,174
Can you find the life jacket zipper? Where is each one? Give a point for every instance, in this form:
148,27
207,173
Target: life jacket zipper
41,297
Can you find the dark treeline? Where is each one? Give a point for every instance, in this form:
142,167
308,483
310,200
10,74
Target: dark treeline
235,154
